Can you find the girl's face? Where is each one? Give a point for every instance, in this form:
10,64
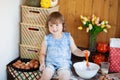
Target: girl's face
56,28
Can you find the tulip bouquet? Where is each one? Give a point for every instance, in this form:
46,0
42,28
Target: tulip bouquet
94,26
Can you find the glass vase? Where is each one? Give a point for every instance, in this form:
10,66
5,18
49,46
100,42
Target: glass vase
92,43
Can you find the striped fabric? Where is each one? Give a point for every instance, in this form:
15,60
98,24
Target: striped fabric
18,75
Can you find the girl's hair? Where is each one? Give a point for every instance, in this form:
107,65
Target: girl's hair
55,18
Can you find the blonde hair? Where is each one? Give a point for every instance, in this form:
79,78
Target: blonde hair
54,18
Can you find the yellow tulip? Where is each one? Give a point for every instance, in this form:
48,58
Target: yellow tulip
106,22
97,20
102,26
103,22
80,27
84,18
83,21
105,30
93,18
90,27
108,26
87,30
81,17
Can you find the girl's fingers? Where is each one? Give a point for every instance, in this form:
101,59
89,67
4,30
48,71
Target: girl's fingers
42,67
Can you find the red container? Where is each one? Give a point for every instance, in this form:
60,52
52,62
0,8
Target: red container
102,47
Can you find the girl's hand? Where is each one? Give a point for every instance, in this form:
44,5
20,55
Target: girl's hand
42,67
87,52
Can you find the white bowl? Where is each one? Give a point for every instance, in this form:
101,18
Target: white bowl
83,72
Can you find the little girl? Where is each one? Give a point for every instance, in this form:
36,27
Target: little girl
56,49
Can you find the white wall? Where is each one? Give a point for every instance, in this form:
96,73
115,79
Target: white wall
9,33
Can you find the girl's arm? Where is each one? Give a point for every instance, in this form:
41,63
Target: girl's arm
42,53
42,56
76,51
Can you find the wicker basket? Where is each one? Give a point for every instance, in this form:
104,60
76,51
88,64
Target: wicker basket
32,34
29,52
35,15
14,74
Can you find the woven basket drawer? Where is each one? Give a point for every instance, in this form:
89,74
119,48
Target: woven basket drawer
29,52
35,15
32,34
